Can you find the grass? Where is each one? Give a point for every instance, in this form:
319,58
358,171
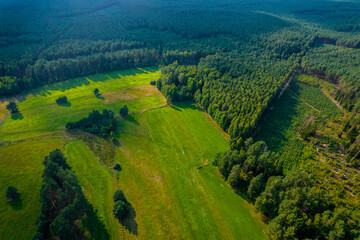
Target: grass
41,114
3,109
21,167
164,154
98,185
161,151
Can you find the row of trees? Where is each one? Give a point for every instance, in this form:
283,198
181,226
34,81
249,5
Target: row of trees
62,199
296,209
47,71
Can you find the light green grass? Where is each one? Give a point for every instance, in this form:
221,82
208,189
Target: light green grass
98,185
21,166
160,152
40,114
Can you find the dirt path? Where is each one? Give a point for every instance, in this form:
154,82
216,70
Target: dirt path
145,110
287,84
334,101
4,118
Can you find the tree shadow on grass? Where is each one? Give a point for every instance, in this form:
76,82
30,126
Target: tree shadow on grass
130,118
100,97
17,116
243,194
60,86
94,224
68,104
17,204
116,142
129,223
178,106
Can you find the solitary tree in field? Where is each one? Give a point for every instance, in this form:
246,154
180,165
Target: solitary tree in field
124,111
12,107
12,194
96,92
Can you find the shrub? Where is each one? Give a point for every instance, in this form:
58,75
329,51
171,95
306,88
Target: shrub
153,83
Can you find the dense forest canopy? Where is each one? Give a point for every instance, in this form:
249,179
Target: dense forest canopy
232,58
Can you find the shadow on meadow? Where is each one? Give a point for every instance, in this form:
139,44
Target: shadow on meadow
17,116
67,104
129,223
131,119
178,106
17,204
81,81
94,224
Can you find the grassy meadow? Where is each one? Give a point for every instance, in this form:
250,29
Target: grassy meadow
165,155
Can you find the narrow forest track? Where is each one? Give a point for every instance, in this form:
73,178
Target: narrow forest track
287,84
334,101
4,118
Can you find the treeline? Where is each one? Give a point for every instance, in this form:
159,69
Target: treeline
295,208
235,100
102,125
81,47
336,41
13,85
44,72
62,199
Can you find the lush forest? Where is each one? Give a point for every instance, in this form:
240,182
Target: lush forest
232,58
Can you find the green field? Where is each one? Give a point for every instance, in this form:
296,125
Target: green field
21,167
165,154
